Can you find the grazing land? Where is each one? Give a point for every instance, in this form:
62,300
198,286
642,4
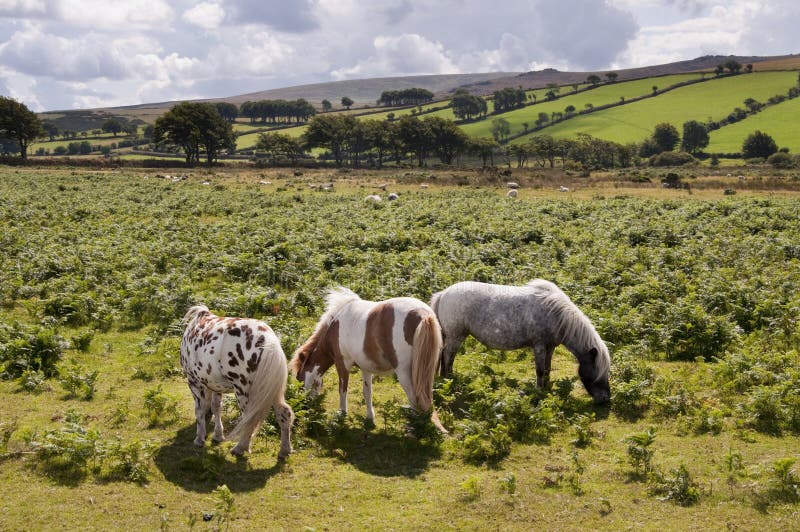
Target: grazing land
696,293
713,99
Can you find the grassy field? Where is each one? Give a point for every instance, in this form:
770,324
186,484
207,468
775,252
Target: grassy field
779,121
695,293
602,95
714,100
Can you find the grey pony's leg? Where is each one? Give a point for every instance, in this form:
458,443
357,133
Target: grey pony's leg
543,355
452,343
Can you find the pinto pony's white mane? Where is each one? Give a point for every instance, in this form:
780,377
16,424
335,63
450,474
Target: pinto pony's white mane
336,298
573,325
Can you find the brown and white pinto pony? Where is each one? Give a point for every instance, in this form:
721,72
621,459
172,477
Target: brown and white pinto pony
400,335
240,355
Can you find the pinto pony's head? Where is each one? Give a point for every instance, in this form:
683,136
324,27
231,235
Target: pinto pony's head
312,359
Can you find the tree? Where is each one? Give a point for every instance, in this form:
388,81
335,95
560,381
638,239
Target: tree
734,67
417,137
665,136
758,144
570,109
112,125
51,130
228,111
655,90
695,137
483,148
593,79
612,76
326,106
280,145
466,106
447,139
195,127
501,129
333,132
19,123
347,102
753,105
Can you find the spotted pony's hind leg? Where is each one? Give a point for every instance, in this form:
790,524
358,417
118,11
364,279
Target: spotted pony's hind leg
243,446
285,418
202,406
216,410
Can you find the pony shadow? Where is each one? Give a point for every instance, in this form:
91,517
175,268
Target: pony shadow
202,470
381,453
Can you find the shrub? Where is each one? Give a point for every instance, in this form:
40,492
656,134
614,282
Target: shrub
679,488
160,409
781,160
671,158
78,384
37,349
479,445
640,455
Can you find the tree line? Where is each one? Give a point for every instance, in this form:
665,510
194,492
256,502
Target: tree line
276,111
413,96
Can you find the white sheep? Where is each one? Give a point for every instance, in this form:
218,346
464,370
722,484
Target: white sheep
563,189
424,185
392,196
512,184
512,193
374,198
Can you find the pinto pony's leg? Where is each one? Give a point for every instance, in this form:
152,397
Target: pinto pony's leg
216,410
285,417
543,355
202,405
344,380
367,388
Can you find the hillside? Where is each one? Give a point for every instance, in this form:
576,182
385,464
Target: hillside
706,63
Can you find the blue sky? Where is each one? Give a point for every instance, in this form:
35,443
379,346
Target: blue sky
67,54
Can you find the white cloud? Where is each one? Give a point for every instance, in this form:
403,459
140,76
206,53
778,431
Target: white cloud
104,15
22,8
405,54
206,15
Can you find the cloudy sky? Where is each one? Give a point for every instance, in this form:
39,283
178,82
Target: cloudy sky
64,54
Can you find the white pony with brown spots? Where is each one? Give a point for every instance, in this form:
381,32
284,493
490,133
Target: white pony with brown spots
240,355
399,335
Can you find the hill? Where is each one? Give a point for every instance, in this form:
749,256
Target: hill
706,63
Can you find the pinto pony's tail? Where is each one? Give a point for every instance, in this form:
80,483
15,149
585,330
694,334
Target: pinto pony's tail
424,360
268,388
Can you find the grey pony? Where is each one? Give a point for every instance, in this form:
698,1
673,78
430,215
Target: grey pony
536,315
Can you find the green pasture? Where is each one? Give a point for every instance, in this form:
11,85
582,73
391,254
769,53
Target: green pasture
713,100
603,94
779,121
695,293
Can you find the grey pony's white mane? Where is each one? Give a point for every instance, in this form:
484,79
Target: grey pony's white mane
572,323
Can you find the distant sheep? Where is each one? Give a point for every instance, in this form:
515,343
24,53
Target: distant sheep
424,185
563,189
265,182
512,185
512,193
382,186
392,196
373,198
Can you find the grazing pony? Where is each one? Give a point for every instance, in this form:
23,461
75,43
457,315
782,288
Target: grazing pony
399,335
537,315
240,355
